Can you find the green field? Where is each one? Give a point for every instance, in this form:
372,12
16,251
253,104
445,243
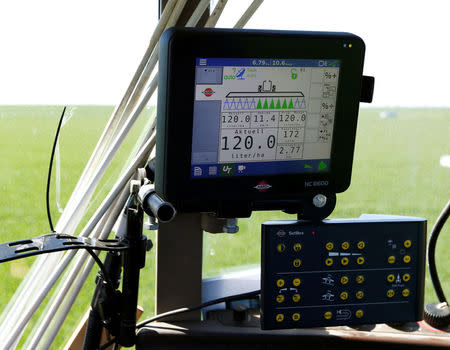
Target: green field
396,171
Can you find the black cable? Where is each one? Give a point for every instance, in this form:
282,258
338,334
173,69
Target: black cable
47,196
101,266
198,307
432,250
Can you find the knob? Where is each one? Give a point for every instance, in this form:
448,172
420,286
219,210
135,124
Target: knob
240,313
437,315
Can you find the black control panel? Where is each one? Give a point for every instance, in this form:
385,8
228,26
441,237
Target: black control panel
342,271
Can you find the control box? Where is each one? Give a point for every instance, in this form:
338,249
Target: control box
342,271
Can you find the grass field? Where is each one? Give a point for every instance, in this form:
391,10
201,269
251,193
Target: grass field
396,171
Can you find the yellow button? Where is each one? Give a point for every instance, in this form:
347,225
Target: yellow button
345,245
296,282
344,296
296,298
360,260
390,278
280,298
344,279
359,294
361,245
328,261
405,292
329,246
297,263
391,259
407,243
390,293
295,317
327,315
280,282
281,248
344,261
297,247
279,317
359,313
406,277
360,279
406,259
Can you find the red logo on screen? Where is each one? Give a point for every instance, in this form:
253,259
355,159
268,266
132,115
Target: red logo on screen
263,186
208,92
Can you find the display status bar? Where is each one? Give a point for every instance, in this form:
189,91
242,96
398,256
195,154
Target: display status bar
265,62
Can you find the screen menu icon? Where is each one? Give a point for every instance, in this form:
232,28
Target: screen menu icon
227,169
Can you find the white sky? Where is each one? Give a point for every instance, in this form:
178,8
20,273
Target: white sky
86,51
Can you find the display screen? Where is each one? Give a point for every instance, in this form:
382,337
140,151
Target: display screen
256,116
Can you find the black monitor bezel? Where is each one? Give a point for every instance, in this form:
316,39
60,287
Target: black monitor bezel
179,48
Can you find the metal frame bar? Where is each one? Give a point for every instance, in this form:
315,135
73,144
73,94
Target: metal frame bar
179,246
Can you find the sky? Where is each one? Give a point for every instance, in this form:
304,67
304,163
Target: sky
86,51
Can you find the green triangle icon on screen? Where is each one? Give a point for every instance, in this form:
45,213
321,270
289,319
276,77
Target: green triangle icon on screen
322,165
284,104
278,106
259,105
265,104
307,166
272,105
291,105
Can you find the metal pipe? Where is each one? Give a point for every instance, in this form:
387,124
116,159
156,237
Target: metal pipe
198,13
248,14
215,15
